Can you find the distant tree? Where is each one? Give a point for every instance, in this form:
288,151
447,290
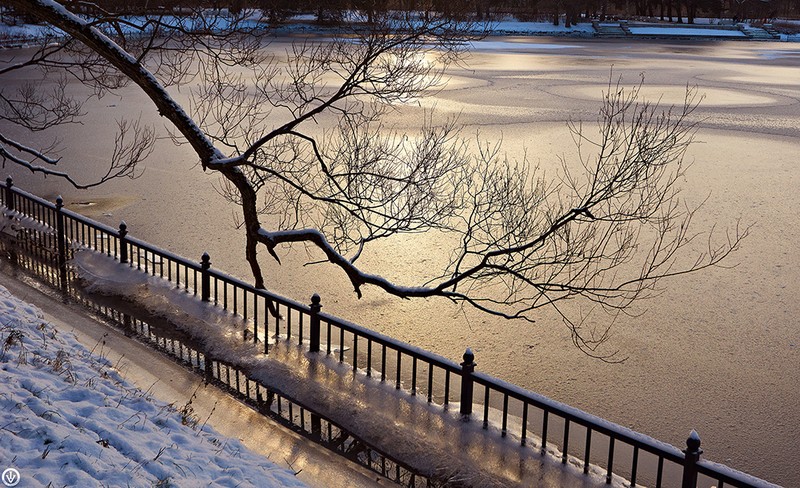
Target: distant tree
606,231
277,11
330,12
572,13
371,9
694,7
570,8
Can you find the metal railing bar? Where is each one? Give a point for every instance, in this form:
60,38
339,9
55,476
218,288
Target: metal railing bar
582,418
78,229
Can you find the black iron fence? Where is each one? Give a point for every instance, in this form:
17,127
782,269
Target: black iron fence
38,245
580,438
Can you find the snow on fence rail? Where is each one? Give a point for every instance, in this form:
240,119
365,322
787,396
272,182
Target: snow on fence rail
580,438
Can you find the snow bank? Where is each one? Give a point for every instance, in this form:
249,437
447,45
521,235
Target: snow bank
685,32
521,28
432,439
69,419
17,36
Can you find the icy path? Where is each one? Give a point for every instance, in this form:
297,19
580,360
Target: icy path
431,439
168,382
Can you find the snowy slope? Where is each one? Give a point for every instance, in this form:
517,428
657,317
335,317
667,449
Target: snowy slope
69,419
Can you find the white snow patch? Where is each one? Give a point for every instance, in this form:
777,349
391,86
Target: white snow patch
303,17
27,31
69,419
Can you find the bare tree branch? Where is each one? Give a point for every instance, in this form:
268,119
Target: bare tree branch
299,142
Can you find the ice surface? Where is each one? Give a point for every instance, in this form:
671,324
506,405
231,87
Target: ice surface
432,439
69,419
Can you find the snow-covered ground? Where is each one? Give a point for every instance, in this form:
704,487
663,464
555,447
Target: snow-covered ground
69,419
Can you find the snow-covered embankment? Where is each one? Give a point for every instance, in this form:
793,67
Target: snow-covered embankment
67,418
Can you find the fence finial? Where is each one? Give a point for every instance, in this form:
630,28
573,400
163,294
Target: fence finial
59,202
693,443
469,358
9,182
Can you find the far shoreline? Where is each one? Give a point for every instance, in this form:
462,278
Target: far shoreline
584,31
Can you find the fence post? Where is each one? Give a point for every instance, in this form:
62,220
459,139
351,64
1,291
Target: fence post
123,243
62,242
692,453
205,282
315,332
467,368
8,196
316,426
208,368
9,193
128,325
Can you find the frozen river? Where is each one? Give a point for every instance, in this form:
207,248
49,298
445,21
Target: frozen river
718,352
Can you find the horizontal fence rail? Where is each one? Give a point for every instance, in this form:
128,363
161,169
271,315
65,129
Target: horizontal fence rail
528,418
